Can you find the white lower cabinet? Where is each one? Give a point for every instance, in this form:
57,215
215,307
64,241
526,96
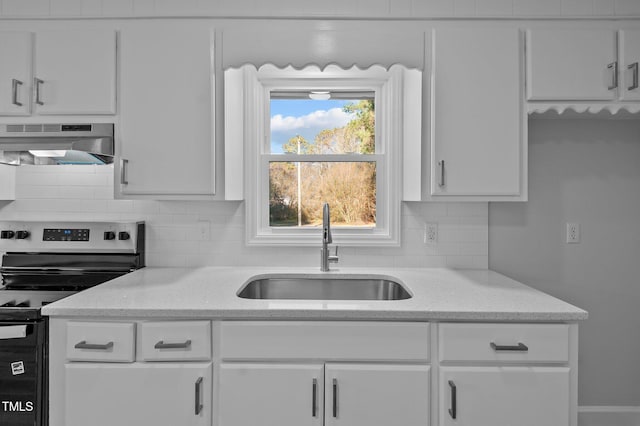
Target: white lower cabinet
312,373
159,394
376,395
323,394
504,396
270,394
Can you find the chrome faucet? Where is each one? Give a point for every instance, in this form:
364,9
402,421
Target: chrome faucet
325,257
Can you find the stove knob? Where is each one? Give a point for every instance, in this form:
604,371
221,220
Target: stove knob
109,235
123,235
22,235
7,235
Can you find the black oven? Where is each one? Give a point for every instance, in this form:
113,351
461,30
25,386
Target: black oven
42,263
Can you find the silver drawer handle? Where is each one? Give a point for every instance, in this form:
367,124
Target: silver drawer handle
441,180
162,345
634,68
94,346
614,80
124,179
314,397
14,92
37,82
453,410
520,347
198,400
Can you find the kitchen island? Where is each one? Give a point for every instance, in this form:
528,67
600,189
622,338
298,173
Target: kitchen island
178,346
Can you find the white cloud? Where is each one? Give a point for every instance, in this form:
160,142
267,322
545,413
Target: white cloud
335,117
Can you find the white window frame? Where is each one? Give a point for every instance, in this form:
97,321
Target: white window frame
247,118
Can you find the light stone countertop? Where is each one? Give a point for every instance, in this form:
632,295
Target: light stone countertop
210,292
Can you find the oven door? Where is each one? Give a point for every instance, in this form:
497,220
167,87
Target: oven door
22,347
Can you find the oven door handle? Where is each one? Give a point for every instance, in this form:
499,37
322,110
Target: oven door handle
13,332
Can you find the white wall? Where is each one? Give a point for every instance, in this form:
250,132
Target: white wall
212,233
584,171
324,8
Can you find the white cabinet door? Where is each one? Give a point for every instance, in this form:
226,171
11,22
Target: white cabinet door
15,72
76,72
158,394
477,117
376,395
571,64
270,395
629,63
166,142
504,396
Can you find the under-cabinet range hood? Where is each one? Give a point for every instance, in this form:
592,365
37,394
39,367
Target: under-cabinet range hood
50,144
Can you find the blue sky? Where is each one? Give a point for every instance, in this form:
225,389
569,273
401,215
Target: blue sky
304,117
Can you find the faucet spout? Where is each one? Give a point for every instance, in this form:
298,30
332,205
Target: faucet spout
325,257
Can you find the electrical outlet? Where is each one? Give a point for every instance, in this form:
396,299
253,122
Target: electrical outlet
573,233
204,230
430,233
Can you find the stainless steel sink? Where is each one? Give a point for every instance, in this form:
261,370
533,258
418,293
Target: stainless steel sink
324,288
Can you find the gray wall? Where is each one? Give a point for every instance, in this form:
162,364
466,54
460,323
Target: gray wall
584,171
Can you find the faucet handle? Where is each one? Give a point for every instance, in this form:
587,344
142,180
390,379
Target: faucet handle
335,258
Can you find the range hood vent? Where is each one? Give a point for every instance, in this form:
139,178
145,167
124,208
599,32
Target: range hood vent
56,143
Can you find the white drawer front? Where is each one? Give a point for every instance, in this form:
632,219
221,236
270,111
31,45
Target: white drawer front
364,341
100,341
504,342
175,341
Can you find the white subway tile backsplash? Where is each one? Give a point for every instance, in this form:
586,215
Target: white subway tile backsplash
25,8
144,7
429,8
604,7
91,8
66,7
577,7
494,7
199,233
464,7
537,8
627,7
117,7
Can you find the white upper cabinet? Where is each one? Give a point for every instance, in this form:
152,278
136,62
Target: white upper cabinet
572,64
60,72
629,58
75,72
15,72
478,122
166,146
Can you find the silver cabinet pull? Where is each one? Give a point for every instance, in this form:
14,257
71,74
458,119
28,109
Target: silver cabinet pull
94,346
453,411
14,91
314,397
123,171
441,165
520,347
37,82
634,68
335,398
162,345
198,406
614,80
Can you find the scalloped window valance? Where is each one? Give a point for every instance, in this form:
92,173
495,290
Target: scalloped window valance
300,47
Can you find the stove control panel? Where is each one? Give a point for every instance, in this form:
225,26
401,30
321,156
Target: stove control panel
18,236
58,234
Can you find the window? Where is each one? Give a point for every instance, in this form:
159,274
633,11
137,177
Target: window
322,150
312,136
